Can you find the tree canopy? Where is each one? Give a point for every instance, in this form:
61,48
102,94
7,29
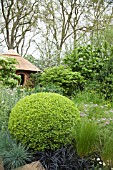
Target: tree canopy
49,28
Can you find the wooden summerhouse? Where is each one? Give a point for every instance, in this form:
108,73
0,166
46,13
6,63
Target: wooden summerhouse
23,67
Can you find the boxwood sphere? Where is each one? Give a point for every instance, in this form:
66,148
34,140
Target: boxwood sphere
43,120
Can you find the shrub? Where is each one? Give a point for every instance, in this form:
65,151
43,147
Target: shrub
87,60
43,120
63,77
7,72
105,79
95,64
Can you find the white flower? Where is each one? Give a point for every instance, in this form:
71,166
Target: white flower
103,119
102,107
104,164
100,163
80,59
98,159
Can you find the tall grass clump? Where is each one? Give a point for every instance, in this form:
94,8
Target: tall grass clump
86,137
107,145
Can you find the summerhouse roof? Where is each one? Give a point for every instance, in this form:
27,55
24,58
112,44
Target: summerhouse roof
22,63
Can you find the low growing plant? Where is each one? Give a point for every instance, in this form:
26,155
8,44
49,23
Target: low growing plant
13,155
17,156
64,158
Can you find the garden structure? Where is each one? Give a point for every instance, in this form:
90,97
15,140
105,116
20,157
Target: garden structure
23,67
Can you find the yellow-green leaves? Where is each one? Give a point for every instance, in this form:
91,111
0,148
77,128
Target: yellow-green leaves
43,120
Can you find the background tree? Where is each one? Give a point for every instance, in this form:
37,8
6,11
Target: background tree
65,24
19,19
60,21
51,27
100,17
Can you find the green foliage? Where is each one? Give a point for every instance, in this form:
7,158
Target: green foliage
94,107
33,80
105,78
96,1
95,64
43,120
6,142
49,88
87,60
7,72
103,34
107,151
103,81
63,77
87,137
100,114
107,145
8,98
16,157
13,155
88,96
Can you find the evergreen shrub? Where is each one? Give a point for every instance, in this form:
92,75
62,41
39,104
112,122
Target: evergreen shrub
43,121
87,60
7,73
64,78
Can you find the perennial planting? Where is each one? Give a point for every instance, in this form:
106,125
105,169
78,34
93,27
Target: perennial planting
72,132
